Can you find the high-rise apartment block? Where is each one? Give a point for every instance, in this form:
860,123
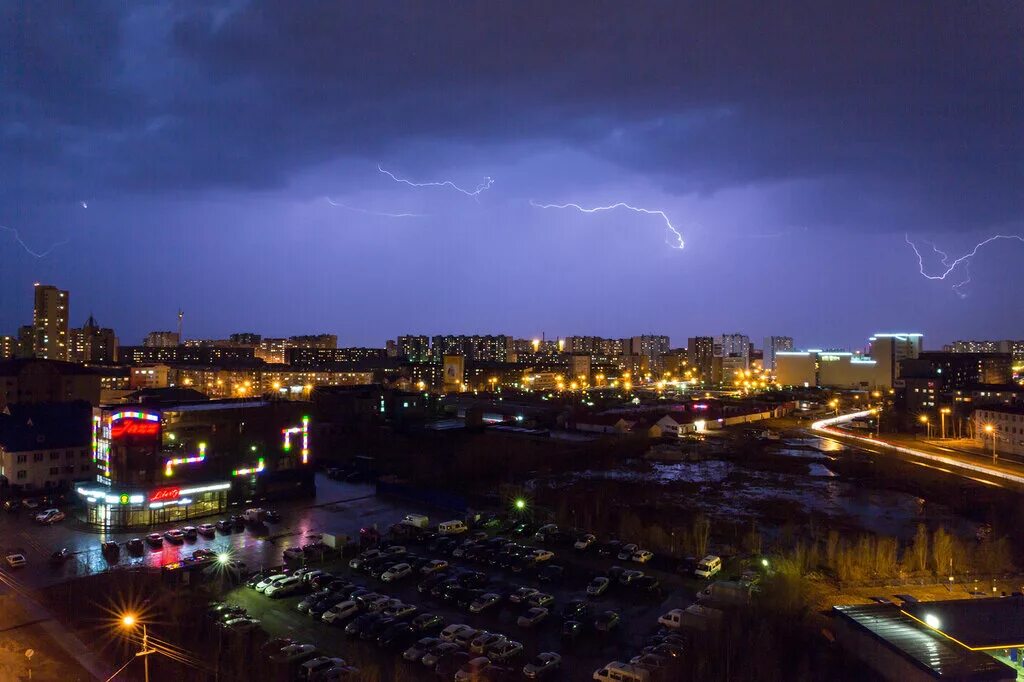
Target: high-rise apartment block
161,340
700,352
772,345
50,323
413,348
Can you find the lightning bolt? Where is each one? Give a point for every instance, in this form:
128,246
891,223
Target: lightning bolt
367,211
482,187
952,265
35,254
679,244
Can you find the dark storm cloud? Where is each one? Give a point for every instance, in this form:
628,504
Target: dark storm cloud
913,101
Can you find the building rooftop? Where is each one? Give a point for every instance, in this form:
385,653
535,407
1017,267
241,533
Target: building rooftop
994,623
924,647
45,426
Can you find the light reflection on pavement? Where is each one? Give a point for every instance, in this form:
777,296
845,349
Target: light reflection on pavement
340,508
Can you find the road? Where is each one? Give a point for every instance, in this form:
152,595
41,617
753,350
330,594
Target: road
954,461
337,507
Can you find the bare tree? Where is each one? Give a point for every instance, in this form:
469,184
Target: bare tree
701,534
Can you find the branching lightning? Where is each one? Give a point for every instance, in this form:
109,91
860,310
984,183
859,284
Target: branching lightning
951,265
675,236
482,187
35,254
367,211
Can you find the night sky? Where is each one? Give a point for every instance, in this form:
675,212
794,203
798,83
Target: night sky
223,157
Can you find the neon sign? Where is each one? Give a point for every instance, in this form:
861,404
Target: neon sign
132,427
164,494
175,461
304,430
141,416
260,465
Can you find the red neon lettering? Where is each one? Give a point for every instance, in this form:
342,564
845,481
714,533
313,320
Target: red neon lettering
134,427
164,494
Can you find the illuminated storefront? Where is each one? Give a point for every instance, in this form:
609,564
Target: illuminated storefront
170,462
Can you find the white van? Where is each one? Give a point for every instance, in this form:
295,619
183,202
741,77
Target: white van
417,520
617,671
451,527
708,566
673,619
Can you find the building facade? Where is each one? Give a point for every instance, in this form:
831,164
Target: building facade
50,323
413,348
700,351
159,463
162,340
1004,424
772,345
46,381
92,344
45,446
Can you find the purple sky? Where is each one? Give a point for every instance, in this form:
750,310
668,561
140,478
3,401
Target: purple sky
792,149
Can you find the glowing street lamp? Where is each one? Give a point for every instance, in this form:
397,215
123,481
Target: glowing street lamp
927,425
520,504
129,621
942,416
991,430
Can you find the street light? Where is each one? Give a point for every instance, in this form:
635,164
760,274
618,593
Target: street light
129,621
835,405
924,420
942,416
991,430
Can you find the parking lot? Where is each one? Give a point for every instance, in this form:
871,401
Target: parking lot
337,506
484,571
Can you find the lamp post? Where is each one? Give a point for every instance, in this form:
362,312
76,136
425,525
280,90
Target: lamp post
835,405
129,621
942,417
927,425
990,430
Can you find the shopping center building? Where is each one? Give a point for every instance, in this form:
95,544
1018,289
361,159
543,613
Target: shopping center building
162,462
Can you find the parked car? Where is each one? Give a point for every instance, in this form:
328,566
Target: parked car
540,555
294,653
110,550
450,632
583,542
443,650
545,664
483,640
521,594
607,621
575,609
396,572
190,532
283,588
174,535
417,651
50,516
224,525
628,577
426,622
155,540
504,650
399,611
434,566
484,602
135,546
642,556
15,560
472,669
626,552
540,599
341,612
60,556
207,530
708,566
270,580
532,618
597,586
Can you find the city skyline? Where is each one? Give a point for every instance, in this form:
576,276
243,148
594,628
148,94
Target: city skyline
517,180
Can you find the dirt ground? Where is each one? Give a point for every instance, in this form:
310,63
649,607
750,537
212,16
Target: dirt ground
19,634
